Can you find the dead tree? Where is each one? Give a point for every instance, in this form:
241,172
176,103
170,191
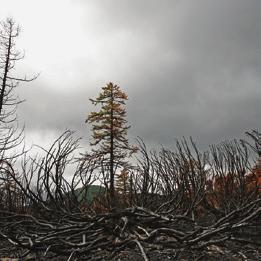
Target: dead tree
11,136
9,55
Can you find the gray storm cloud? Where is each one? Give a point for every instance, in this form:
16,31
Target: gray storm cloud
190,68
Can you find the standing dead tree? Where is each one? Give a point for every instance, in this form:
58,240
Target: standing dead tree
11,136
9,55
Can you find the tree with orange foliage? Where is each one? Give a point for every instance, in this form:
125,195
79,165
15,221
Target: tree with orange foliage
122,182
109,128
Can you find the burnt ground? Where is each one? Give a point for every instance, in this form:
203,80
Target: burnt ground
229,251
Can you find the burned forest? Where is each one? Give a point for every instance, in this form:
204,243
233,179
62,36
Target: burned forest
120,199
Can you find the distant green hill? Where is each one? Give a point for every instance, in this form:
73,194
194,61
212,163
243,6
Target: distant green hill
92,191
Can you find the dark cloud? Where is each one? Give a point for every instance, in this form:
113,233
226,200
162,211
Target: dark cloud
50,109
190,68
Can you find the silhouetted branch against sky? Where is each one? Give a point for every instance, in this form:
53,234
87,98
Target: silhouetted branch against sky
189,67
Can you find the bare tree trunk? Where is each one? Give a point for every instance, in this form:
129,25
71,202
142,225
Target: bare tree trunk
112,190
6,69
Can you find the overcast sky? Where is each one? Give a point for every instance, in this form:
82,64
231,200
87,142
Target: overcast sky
190,68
